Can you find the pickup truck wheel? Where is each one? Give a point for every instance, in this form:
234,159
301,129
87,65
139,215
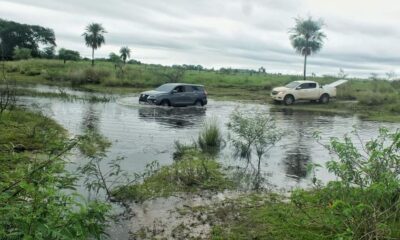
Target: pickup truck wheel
288,100
165,103
324,99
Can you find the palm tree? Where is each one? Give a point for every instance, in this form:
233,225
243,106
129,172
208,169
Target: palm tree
307,38
94,37
125,53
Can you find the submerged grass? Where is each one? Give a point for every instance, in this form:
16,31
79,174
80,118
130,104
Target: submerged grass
191,173
63,95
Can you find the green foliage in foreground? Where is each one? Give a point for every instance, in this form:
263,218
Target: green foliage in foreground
37,196
191,172
364,203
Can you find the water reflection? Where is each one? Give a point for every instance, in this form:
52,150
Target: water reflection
296,160
173,117
90,119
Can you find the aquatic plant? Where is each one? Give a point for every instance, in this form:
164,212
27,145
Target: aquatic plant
210,137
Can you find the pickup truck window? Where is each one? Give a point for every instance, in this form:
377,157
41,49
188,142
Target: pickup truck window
308,85
292,85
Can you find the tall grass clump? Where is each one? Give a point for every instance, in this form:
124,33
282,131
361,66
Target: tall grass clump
88,76
210,137
378,99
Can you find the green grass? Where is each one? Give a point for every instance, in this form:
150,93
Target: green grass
25,129
375,99
191,173
25,137
269,216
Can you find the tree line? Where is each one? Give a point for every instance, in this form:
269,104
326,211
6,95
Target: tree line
22,41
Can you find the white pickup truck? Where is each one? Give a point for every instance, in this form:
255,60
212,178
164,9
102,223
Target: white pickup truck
305,90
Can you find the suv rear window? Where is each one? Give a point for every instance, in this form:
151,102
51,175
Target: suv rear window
194,89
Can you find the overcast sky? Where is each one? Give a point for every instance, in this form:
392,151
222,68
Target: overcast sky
363,35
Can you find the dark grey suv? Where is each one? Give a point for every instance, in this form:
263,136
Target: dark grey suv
175,94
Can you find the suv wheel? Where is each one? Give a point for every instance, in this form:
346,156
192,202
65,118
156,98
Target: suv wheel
198,103
165,103
288,100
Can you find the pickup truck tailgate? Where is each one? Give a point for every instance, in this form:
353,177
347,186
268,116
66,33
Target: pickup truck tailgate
337,83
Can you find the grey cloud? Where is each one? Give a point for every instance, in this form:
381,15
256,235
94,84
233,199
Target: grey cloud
247,33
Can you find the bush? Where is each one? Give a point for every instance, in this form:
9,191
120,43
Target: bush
22,53
364,203
37,197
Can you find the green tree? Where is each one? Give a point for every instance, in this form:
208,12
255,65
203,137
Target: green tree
94,37
14,35
307,38
22,53
48,52
66,54
125,53
113,57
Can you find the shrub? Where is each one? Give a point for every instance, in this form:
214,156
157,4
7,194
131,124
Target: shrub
22,53
364,203
253,132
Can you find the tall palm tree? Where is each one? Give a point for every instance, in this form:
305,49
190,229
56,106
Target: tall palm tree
94,37
125,53
307,38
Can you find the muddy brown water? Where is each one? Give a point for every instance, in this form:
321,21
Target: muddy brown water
143,134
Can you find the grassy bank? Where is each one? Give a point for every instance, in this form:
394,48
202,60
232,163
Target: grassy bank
268,216
191,173
374,99
23,130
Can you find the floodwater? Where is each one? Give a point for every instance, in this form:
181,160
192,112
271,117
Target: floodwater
142,134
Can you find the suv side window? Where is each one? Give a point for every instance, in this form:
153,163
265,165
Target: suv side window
189,89
193,89
312,85
179,89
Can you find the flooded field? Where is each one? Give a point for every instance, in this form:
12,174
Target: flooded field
142,133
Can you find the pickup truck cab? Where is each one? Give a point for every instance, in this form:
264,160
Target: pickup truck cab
305,90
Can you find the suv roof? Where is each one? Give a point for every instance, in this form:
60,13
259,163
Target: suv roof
186,84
